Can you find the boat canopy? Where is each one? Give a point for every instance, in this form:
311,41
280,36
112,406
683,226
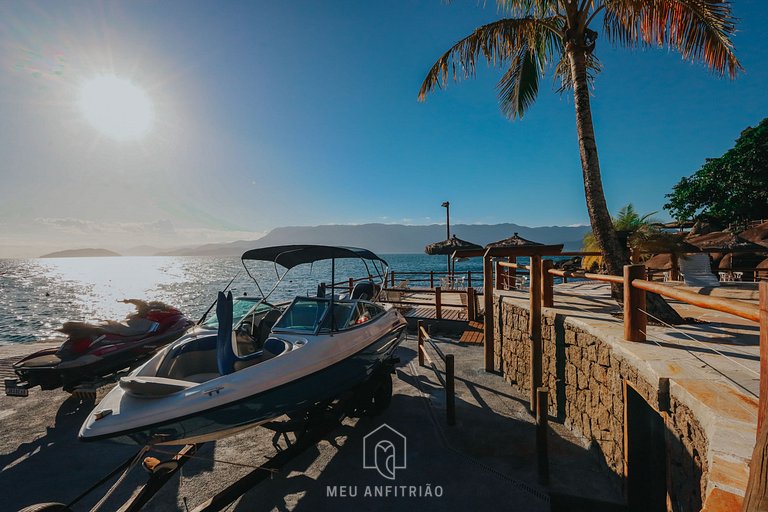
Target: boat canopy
289,256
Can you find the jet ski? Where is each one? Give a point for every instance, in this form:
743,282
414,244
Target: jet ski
93,352
259,365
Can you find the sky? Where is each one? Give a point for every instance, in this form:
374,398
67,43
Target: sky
268,114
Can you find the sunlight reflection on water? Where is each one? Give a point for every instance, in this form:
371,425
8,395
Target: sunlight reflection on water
90,288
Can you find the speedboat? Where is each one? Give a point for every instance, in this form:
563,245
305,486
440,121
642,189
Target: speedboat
93,351
261,364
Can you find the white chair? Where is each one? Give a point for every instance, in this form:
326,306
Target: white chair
697,271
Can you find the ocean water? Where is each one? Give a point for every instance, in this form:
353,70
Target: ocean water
38,295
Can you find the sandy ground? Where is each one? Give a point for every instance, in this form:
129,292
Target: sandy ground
485,462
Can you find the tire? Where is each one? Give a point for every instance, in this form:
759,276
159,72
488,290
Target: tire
382,397
49,507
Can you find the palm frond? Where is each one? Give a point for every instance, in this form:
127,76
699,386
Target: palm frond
536,8
563,72
498,43
699,29
519,86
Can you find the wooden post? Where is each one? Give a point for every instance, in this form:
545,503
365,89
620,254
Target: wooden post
542,421
635,320
756,498
469,279
351,286
488,313
431,278
471,306
438,303
763,407
547,284
420,333
675,273
534,326
392,275
450,390
499,276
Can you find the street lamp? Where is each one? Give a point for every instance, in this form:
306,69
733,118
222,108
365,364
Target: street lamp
447,206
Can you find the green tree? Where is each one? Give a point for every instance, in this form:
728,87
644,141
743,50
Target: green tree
732,189
627,221
560,35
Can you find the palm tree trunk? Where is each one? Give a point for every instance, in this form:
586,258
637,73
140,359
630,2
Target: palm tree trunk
614,255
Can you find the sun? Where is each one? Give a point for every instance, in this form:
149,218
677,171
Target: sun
116,107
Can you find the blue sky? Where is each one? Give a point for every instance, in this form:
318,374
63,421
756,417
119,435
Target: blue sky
303,113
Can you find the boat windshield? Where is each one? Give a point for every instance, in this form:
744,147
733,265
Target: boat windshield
241,307
310,314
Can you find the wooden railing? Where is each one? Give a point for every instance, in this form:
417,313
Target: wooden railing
448,383
473,277
470,307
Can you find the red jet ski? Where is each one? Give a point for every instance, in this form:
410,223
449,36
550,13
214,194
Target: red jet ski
93,353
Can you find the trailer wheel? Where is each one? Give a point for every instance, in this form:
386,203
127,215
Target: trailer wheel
382,397
50,507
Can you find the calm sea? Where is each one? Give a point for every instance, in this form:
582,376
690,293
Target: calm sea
38,295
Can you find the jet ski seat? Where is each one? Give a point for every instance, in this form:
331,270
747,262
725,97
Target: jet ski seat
364,290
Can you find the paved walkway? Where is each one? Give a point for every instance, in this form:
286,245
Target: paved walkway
485,462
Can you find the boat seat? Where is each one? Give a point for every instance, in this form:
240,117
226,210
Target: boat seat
152,387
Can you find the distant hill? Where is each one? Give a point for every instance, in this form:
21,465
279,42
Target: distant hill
80,253
390,238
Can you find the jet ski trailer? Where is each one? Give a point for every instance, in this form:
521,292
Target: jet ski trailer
274,363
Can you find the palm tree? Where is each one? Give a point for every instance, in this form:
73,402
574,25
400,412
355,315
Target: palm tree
558,34
627,221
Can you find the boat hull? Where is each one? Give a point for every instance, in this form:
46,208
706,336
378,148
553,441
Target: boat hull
293,396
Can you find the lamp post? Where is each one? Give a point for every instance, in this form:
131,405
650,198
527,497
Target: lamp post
447,206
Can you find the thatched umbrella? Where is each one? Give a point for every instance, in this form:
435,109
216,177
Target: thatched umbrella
660,262
757,234
722,241
513,241
450,246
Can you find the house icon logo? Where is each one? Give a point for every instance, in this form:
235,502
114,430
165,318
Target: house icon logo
384,451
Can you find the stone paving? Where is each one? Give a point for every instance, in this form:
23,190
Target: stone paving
485,462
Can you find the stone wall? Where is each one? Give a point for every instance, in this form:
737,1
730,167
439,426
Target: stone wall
586,379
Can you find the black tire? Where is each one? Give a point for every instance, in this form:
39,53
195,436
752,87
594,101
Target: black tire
50,507
382,397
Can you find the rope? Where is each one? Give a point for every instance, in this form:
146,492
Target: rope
701,343
117,483
213,459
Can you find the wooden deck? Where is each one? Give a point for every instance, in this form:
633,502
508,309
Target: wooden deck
430,313
473,334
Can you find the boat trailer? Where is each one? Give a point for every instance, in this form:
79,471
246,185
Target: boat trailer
309,428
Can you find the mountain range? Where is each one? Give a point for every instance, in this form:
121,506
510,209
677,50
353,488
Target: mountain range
390,238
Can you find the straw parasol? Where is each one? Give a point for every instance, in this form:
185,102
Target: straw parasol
722,241
660,262
740,260
513,241
449,246
757,234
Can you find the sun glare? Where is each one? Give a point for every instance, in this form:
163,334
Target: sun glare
116,107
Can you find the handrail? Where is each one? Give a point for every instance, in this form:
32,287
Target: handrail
736,307
449,382
587,275
424,290
514,265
